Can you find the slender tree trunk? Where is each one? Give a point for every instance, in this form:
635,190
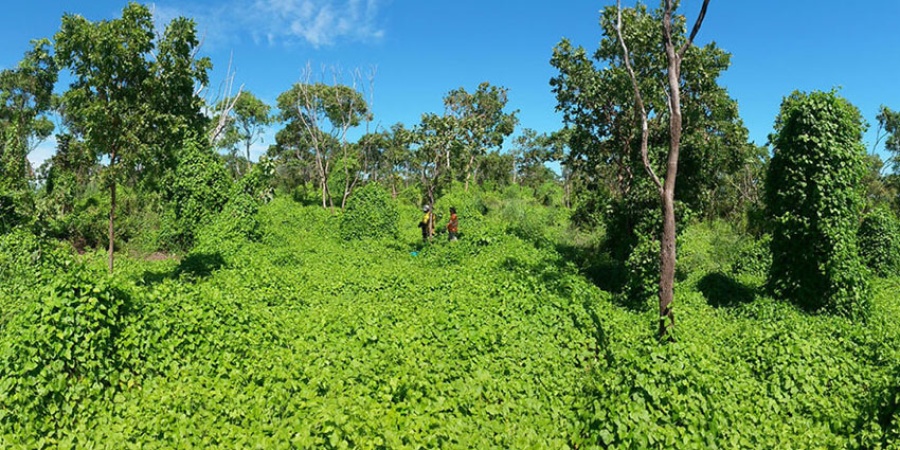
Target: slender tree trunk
667,249
469,171
667,253
249,165
112,216
667,260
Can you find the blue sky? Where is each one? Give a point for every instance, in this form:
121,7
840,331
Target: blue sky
423,49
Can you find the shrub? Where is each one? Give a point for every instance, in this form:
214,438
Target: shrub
370,213
879,242
12,210
813,192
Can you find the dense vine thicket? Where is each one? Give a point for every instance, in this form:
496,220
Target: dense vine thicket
370,213
302,338
879,242
814,196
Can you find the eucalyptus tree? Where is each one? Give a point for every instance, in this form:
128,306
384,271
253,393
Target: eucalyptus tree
674,55
398,156
481,122
434,142
645,101
132,98
889,123
532,151
318,116
248,117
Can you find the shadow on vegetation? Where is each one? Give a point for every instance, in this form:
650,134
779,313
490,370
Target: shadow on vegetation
634,303
200,265
721,290
597,266
195,265
882,408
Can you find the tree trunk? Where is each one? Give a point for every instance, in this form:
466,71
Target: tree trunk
667,253
667,261
112,215
249,165
469,170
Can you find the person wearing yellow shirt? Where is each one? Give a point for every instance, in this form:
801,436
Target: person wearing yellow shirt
427,224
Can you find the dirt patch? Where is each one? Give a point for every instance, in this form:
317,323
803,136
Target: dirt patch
159,256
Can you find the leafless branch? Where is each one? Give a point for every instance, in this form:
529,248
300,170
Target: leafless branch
670,6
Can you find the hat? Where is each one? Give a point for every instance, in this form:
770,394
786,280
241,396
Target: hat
426,208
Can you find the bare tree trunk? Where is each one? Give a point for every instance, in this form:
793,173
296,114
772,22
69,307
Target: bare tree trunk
469,170
667,249
112,216
249,165
667,253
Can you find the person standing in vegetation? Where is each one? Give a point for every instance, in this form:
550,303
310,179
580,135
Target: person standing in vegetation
427,224
453,225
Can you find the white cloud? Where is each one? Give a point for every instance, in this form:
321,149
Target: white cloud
318,23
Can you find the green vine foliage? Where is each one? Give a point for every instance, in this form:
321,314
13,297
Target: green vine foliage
814,200
879,242
67,349
301,339
370,214
643,274
196,192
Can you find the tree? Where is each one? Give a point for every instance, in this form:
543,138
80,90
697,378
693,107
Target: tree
889,123
318,116
532,152
629,117
246,122
814,198
133,108
481,122
26,94
666,185
495,168
398,156
435,139
667,253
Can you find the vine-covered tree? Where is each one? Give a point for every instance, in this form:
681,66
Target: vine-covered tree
814,198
